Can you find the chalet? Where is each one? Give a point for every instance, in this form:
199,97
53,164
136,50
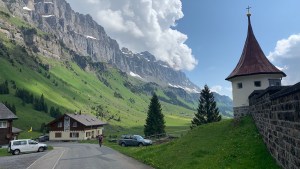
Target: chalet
75,127
7,131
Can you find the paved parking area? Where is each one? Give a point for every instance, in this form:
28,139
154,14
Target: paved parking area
22,161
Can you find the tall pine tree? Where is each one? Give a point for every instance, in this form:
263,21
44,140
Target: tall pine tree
155,123
207,111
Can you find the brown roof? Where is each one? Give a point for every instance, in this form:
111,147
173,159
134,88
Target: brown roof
86,119
253,60
5,113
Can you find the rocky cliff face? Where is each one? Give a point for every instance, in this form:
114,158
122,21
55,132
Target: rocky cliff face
82,34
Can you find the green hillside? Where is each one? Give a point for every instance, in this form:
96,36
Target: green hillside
224,144
73,83
65,85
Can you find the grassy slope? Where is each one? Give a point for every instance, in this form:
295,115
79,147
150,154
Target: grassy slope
217,145
78,90
73,94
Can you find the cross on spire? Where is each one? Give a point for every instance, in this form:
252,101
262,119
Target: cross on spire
248,8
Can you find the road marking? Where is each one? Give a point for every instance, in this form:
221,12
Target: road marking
58,159
36,160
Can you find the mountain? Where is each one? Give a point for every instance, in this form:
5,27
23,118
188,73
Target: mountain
84,36
67,58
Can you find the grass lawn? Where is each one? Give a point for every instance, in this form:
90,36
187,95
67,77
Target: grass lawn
217,145
3,152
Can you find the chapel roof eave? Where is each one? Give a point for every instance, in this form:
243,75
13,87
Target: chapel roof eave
264,73
253,61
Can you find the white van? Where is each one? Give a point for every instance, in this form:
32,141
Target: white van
25,145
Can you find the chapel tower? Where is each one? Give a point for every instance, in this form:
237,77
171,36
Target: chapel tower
253,72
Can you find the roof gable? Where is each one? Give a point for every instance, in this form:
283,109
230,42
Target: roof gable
253,60
5,113
86,119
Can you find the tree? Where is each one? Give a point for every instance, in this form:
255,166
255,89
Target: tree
55,112
207,111
155,123
40,104
4,88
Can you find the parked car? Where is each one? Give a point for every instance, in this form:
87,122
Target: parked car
43,138
134,140
25,145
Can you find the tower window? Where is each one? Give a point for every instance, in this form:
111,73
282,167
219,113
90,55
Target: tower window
274,82
240,85
257,83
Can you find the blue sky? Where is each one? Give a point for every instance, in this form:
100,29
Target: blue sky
217,32
202,38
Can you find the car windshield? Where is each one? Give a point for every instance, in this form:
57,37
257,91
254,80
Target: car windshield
139,137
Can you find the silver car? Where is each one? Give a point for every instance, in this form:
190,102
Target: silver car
25,145
134,140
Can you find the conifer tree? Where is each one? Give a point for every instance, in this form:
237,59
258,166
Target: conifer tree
207,111
155,123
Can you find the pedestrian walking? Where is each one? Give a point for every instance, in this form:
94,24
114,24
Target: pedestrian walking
100,139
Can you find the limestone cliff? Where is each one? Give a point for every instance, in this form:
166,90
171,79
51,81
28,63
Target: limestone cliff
66,28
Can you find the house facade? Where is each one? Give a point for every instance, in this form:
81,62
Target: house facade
6,122
75,127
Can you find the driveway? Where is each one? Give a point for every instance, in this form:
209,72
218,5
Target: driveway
79,156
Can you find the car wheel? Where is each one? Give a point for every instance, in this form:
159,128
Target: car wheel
123,145
141,144
41,149
16,152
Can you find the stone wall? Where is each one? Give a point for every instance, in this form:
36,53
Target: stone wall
239,112
276,112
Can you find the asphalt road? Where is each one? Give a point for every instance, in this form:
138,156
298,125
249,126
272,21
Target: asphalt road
20,161
73,156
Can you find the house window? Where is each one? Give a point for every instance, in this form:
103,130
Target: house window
59,124
257,83
3,124
74,124
274,82
74,135
88,134
240,85
57,135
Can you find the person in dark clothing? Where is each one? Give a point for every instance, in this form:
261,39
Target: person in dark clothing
100,139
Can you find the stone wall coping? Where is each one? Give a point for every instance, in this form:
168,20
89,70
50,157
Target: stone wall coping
270,90
286,91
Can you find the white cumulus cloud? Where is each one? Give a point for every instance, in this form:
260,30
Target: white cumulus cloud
286,56
222,90
142,25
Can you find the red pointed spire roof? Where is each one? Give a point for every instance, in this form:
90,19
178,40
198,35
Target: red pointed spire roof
253,60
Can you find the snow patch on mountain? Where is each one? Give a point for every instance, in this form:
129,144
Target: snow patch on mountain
194,90
90,37
47,16
26,8
135,75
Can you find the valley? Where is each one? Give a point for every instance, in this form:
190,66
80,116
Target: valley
72,82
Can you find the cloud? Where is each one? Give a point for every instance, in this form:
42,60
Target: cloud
222,90
93,1
142,25
286,56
